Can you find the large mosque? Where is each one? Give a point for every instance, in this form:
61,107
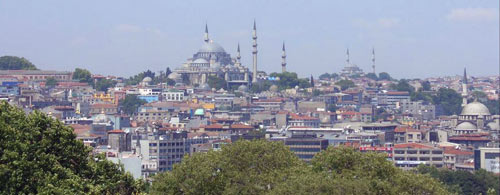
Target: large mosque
212,60
475,116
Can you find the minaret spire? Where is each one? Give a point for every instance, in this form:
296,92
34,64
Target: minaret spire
373,61
238,55
206,39
283,58
254,52
464,89
347,57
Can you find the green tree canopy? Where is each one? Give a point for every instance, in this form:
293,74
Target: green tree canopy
130,104
40,155
449,101
216,82
50,82
426,86
403,85
290,80
372,76
83,76
104,84
345,84
244,167
15,63
384,76
464,182
263,167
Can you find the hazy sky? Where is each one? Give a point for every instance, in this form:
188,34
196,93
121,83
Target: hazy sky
413,38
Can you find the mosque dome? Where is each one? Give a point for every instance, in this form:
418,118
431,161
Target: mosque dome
475,108
273,88
325,120
211,47
199,112
147,79
174,76
101,118
466,126
242,88
205,86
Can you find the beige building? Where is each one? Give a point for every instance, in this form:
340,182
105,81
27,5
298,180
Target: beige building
410,155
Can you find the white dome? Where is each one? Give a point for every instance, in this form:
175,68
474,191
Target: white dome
211,47
200,61
466,126
174,76
493,126
147,79
475,108
205,86
101,118
242,88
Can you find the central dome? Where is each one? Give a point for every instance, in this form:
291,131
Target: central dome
466,126
211,47
475,108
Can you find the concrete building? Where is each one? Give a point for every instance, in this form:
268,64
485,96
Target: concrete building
487,159
306,146
410,155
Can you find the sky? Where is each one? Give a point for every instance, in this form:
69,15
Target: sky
412,39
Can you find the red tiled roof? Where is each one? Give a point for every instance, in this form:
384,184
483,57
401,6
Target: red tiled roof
301,117
463,138
214,126
104,106
116,131
397,93
412,145
458,152
241,126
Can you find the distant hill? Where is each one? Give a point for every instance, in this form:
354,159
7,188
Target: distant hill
16,63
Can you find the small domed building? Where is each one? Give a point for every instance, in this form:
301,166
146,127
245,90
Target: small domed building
475,116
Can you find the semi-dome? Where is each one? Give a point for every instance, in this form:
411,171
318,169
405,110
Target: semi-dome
466,126
200,61
211,47
174,76
242,88
493,126
475,108
205,86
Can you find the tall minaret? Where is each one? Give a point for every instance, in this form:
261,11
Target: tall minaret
464,89
206,39
373,61
254,52
283,59
238,56
347,57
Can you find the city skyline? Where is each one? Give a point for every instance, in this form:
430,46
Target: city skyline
411,39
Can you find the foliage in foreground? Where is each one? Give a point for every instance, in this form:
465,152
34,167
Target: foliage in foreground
16,63
39,155
262,167
464,182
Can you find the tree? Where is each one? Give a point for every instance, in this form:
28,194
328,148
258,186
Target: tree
464,182
216,82
104,84
384,76
16,63
324,76
244,167
345,84
403,85
449,100
130,104
372,76
50,82
426,86
372,171
83,76
40,155
260,86
168,71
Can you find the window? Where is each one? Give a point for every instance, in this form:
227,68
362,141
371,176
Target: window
437,152
437,159
399,151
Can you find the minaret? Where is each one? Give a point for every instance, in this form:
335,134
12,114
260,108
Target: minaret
464,89
206,39
283,59
254,52
373,61
238,56
347,57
